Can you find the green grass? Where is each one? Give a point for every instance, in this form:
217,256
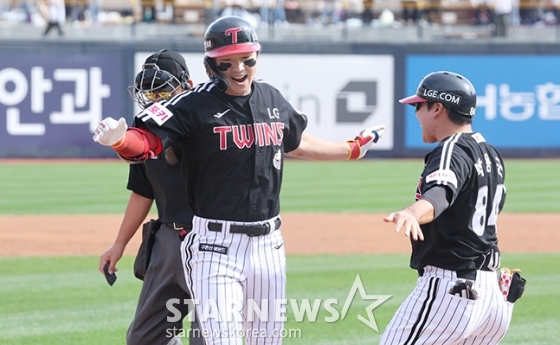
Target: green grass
65,300
359,186
64,188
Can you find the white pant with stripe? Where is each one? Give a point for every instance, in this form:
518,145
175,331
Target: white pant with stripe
235,279
431,315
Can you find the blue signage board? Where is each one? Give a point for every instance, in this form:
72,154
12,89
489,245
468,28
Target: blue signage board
518,97
56,101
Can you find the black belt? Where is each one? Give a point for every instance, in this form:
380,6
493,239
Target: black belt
180,226
249,230
489,262
461,274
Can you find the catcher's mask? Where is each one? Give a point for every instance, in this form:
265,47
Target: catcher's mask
161,75
450,89
227,35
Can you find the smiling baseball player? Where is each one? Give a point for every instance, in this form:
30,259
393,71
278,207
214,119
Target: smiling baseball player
235,131
452,226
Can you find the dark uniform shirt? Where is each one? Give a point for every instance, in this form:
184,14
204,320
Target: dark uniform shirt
234,147
157,179
473,173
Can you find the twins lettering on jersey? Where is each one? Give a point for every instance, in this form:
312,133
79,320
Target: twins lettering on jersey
245,136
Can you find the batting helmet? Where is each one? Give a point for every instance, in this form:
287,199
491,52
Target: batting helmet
162,74
230,35
450,89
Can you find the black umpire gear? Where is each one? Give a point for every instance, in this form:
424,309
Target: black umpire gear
162,73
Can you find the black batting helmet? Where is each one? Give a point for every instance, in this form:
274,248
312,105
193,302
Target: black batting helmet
450,89
230,35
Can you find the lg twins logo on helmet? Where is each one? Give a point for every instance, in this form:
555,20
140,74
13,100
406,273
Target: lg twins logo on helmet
233,33
444,96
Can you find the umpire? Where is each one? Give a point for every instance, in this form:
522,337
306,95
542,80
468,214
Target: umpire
158,263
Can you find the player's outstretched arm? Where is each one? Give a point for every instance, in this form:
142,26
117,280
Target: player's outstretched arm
409,219
314,148
134,144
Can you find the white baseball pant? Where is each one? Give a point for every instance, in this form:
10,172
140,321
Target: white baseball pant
431,315
238,282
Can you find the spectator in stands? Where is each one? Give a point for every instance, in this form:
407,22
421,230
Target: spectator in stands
239,8
482,12
93,10
272,12
502,10
54,12
149,11
410,11
515,18
432,11
331,11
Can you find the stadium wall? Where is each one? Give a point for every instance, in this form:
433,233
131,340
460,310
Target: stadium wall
53,93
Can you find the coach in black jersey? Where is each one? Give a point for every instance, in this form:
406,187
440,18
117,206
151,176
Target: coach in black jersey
235,131
452,225
163,75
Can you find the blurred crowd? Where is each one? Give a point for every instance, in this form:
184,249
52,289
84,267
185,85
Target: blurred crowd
264,13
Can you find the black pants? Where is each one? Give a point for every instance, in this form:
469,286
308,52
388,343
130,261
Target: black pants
51,25
502,22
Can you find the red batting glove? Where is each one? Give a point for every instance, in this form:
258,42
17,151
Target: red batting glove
365,140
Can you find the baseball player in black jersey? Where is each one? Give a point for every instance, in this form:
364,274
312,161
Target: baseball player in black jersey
235,131
164,74
452,226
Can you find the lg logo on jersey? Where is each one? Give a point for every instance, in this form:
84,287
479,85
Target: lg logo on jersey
274,113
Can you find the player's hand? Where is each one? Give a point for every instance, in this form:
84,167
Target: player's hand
110,131
111,257
464,289
364,140
406,221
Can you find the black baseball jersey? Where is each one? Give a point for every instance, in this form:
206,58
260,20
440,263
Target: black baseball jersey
157,179
234,147
473,173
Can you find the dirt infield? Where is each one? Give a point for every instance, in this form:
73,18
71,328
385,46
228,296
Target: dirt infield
303,234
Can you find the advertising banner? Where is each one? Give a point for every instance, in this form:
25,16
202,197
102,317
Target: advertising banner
53,102
518,103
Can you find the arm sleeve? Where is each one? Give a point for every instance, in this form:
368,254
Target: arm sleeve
439,198
138,144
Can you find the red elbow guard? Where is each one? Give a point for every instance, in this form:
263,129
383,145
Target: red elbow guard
138,145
